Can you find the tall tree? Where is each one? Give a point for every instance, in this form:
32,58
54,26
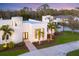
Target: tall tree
50,27
39,35
7,32
73,24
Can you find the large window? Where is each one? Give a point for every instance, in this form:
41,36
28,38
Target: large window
36,33
25,35
41,32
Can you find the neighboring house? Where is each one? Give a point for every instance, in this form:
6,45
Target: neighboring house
65,18
49,18
76,18
24,30
60,18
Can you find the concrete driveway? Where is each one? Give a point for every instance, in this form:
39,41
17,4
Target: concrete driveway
58,50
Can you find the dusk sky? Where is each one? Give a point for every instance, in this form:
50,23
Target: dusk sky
34,6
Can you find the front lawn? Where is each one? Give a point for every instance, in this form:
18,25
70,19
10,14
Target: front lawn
73,53
63,37
17,50
66,37
13,53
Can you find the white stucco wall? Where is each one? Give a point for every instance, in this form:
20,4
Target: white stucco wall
17,35
21,27
46,18
37,26
30,28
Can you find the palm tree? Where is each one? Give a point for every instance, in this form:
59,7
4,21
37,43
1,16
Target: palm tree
39,35
63,24
50,27
42,33
7,32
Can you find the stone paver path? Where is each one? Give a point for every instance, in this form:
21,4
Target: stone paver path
58,50
30,46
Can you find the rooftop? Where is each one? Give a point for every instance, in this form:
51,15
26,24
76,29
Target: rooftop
32,21
62,16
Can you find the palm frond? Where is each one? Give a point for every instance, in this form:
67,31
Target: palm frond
3,36
7,30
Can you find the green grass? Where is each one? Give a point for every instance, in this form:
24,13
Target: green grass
13,53
73,53
63,37
18,49
66,37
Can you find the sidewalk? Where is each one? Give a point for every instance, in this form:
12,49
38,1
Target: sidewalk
58,50
30,46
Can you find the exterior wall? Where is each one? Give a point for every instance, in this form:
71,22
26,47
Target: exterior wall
76,18
38,26
47,18
19,27
5,22
27,28
17,21
17,35
44,19
30,28
1,37
58,19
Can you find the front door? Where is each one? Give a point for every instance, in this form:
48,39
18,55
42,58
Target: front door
25,35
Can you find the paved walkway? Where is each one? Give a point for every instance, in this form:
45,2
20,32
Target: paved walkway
30,46
58,50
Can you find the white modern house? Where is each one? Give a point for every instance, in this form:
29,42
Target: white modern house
76,18
24,30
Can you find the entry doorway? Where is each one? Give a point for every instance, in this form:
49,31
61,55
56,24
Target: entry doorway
25,35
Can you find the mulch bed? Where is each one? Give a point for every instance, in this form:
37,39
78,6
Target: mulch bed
44,43
16,47
47,43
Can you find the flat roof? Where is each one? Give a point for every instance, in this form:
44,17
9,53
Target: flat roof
31,22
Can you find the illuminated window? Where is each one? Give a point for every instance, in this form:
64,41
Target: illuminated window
25,35
36,33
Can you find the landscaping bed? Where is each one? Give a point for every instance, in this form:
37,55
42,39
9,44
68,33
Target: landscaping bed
18,49
60,38
73,53
44,44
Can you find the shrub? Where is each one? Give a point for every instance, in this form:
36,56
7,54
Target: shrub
4,45
11,44
56,33
2,48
